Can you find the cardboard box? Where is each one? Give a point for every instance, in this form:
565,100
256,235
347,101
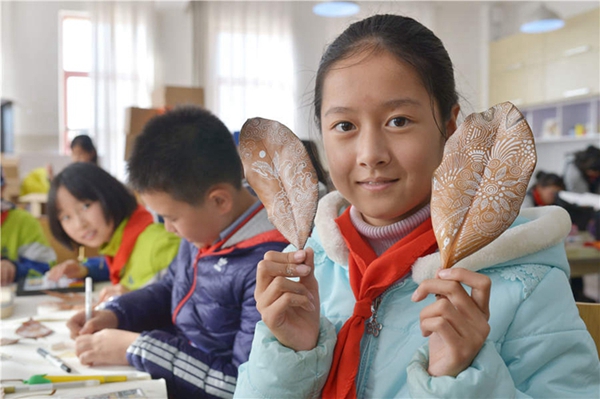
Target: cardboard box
167,97
135,120
173,96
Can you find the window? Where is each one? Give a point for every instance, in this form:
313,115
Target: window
255,76
75,83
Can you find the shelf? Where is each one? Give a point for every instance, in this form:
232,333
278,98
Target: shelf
568,139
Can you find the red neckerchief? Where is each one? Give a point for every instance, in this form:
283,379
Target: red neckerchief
370,276
137,223
211,250
537,198
4,216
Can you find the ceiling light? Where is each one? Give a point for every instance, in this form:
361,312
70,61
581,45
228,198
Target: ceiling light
335,9
542,20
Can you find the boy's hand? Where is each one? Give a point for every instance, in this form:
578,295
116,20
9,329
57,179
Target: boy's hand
70,268
8,271
456,323
113,290
100,320
290,309
108,346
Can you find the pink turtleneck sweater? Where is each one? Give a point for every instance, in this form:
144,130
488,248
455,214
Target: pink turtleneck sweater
383,237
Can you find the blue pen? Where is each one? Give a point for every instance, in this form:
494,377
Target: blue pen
53,359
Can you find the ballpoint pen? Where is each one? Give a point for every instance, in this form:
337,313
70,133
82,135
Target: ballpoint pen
43,387
53,359
88,298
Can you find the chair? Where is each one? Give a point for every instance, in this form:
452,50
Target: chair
590,313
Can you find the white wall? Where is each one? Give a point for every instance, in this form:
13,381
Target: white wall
30,70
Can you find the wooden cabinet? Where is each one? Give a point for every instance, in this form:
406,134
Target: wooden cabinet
530,69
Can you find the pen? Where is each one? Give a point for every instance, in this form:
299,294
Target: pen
88,298
53,359
43,387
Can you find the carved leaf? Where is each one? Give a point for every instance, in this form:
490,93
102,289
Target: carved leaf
279,170
480,185
33,329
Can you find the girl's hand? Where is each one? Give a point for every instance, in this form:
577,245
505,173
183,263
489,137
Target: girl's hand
112,291
290,309
70,268
8,271
100,320
104,347
457,323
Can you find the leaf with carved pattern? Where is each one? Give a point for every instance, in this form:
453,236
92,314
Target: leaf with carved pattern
480,185
278,168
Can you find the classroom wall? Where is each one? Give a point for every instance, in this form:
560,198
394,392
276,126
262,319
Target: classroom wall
29,71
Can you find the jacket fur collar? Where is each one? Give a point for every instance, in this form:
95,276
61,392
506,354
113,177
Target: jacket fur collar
545,227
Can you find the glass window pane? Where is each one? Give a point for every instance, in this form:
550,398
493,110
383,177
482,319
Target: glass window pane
79,103
77,45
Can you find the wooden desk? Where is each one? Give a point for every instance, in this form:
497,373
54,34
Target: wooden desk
583,260
21,361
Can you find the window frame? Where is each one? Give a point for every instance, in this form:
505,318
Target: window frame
63,128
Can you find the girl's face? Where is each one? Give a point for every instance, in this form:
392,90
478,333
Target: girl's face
380,136
78,154
83,221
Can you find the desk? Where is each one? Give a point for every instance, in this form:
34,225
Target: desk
20,361
583,260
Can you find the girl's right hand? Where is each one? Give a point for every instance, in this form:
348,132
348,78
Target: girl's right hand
290,309
70,268
100,320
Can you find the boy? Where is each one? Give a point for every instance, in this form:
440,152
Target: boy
24,245
197,323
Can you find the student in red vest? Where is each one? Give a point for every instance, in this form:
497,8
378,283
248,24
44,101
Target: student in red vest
87,206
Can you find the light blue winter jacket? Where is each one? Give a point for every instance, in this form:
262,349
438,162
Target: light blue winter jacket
537,347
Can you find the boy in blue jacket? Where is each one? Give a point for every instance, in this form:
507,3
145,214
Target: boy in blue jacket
195,326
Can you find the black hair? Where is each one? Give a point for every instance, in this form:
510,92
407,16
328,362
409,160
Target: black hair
544,179
85,142
184,153
88,182
406,39
588,159
313,154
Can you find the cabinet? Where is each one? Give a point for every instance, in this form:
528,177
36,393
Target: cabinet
551,67
568,120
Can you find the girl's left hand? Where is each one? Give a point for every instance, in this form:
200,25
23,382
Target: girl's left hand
105,347
456,323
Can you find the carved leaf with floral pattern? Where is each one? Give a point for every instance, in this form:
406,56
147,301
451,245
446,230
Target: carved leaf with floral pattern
480,185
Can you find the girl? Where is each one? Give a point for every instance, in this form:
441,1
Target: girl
83,150
544,192
87,206
357,322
